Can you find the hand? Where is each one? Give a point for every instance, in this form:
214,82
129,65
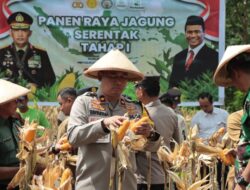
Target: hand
9,187
144,129
239,187
232,151
114,121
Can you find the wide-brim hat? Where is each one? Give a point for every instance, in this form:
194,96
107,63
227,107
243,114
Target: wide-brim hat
221,76
10,91
114,60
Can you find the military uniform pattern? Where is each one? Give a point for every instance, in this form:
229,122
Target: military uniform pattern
243,149
8,144
35,66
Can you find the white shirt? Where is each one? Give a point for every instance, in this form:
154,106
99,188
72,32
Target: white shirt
209,123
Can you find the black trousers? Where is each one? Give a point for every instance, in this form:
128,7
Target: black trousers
152,187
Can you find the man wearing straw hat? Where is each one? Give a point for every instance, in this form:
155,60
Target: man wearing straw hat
9,130
234,70
92,115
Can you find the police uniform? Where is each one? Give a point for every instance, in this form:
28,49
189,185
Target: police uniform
9,131
85,131
30,63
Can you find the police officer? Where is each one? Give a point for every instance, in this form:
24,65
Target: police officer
9,130
21,60
91,116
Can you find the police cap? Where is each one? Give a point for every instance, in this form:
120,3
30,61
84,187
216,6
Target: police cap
20,21
173,95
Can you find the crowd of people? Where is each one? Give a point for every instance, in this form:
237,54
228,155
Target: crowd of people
91,116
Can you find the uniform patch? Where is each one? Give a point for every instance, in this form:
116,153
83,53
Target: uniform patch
95,104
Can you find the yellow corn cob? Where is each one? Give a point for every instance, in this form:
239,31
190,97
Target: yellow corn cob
139,123
227,159
65,175
122,129
29,134
65,146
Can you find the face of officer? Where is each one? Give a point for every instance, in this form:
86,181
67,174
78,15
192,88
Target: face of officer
8,109
113,84
20,37
194,35
65,104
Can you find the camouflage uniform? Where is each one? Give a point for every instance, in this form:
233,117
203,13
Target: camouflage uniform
243,149
8,145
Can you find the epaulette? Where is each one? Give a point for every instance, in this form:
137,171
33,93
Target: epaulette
36,47
7,46
92,94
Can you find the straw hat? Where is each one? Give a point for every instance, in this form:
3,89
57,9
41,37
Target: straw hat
234,125
221,75
10,91
114,60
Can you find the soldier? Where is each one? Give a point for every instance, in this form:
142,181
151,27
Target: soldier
21,60
9,131
92,115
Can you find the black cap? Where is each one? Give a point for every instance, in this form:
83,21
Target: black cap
20,20
88,89
172,95
195,20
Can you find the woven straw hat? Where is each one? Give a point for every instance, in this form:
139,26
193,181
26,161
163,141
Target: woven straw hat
221,75
114,60
234,125
10,91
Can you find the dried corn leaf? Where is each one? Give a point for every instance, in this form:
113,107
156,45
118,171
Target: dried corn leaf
179,182
18,178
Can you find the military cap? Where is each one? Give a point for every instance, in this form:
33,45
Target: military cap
173,95
88,89
20,20
195,20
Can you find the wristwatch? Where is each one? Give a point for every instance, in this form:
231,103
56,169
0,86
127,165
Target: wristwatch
241,181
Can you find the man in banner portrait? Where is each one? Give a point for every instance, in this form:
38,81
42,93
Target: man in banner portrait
198,58
21,60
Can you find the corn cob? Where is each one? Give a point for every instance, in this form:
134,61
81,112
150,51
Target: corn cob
227,159
29,134
65,146
65,175
122,129
139,123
